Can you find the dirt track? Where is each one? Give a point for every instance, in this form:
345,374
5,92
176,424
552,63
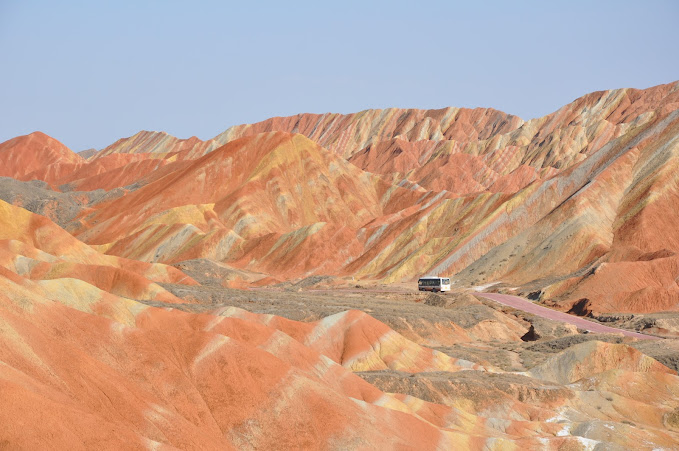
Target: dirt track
530,307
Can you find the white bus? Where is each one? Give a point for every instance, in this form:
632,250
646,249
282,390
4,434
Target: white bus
433,284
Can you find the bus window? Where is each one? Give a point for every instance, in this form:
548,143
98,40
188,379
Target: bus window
429,282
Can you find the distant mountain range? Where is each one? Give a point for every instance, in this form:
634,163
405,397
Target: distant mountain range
578,207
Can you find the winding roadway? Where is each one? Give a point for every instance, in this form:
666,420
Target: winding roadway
530,307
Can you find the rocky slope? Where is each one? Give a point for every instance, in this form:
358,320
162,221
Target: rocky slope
87,363
567,202
119,327
36,157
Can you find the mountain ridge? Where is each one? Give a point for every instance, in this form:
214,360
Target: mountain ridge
474,192
260,293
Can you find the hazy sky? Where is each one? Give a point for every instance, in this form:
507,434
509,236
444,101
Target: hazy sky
90,72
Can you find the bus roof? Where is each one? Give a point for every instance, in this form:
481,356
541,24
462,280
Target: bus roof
432,277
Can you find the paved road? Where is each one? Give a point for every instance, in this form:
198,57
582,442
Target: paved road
530,307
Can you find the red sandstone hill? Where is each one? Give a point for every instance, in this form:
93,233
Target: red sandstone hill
87,361
100,348
36,156
574,199
274,202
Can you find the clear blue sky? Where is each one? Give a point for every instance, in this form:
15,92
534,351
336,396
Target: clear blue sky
90,72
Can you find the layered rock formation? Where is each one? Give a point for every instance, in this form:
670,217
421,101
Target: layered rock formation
569,201
577,208
36,157
88,362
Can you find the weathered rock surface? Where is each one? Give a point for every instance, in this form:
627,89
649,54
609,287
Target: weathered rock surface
120,324
571,201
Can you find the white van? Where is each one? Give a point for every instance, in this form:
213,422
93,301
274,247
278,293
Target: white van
433,284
